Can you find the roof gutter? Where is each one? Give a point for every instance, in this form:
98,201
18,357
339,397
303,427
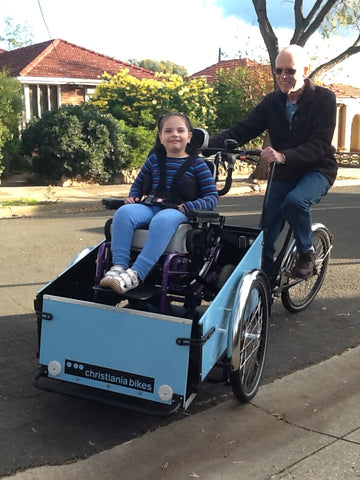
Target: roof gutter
58,81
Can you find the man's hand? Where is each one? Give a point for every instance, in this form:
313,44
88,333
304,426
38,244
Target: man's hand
272,156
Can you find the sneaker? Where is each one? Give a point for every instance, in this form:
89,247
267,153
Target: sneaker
121,282
304,266
114,271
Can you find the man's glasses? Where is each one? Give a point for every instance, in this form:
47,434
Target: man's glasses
287,71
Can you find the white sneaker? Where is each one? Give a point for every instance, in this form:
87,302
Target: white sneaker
121,282
114,271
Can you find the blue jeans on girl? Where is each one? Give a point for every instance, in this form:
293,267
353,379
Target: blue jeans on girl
162,225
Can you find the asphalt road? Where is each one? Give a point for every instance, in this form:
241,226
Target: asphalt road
39,427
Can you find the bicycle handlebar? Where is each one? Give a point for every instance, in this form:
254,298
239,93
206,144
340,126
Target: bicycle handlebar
228,155
231,149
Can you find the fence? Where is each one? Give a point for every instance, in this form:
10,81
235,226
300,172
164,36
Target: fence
348,159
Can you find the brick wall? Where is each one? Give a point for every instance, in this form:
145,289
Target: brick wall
71,95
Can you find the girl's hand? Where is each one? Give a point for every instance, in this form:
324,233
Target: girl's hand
130,200
181,209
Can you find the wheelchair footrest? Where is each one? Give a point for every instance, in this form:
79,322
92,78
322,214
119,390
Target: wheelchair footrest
142,292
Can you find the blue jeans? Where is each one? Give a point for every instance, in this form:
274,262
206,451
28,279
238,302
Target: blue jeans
162,225
291,202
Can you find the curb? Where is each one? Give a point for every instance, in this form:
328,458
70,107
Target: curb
51,208
93,204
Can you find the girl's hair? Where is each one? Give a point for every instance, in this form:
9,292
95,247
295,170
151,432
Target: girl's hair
158,146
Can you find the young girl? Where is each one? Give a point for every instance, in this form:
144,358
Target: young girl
178,178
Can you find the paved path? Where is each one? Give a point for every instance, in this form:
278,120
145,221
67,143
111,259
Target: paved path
304,426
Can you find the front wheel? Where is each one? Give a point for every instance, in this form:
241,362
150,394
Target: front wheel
250,333
298,293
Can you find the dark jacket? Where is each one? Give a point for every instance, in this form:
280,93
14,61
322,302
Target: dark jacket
306,143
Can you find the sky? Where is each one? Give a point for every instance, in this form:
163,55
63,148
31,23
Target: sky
187,32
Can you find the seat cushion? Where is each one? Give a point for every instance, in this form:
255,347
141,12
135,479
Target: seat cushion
176,244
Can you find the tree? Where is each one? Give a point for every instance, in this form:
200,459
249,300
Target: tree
16,36
139,103
163,66
237,91
326,16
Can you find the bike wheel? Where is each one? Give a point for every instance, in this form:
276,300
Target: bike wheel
224,275
298,294
252,341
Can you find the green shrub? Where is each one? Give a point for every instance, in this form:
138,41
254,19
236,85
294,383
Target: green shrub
140,140
75,142
10,112
14,161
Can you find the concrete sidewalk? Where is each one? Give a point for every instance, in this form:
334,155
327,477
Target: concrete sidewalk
88,197
81,197
305,426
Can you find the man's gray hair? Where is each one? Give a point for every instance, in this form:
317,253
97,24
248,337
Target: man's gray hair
297,52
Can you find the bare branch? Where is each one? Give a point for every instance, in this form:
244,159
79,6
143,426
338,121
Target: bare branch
325,67
305,27
266,30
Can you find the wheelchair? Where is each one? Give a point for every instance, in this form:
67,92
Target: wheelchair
196,263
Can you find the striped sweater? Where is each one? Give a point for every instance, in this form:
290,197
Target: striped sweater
208,198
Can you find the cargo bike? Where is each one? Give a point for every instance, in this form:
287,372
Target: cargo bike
205,305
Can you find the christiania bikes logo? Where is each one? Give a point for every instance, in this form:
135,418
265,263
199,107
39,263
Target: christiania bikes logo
109,375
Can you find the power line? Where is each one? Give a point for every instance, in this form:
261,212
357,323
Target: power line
50,37
43,17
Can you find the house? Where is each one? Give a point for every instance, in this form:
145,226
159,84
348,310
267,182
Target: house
210,72
347,133
57,72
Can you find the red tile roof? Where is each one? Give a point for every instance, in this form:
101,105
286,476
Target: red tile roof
58,58
346,91
210,72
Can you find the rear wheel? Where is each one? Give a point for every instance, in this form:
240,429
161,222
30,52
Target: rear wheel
250,347
224,275
298,293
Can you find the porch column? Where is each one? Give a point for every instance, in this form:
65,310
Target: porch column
27,103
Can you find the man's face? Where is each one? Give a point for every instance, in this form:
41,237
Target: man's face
289,73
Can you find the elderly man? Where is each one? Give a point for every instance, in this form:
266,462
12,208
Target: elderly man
300,119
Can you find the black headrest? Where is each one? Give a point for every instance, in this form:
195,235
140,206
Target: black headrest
200,138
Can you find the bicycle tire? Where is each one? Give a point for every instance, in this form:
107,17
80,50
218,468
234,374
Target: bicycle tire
298,294
252,342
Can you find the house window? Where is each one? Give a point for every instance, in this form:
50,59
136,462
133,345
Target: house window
89,91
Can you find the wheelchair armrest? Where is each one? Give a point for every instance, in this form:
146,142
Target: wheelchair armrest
113,203
203,216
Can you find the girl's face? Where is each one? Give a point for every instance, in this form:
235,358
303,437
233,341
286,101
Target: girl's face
175,136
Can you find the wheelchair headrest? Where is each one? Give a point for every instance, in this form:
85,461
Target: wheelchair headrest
200,138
